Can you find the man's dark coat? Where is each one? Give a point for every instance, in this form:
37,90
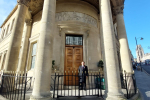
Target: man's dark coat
83,72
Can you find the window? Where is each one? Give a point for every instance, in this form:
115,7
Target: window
73,40
33,55
7,29
3,33
12,24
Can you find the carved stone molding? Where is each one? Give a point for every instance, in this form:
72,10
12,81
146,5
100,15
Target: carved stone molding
76,16
87,33
5,51
25,2
118,10
28,22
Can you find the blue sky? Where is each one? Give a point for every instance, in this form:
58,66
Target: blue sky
136,16
137,21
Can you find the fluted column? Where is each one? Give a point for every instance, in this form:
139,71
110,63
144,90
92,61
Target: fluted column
23,55
111,69
122,36
16,36
41,89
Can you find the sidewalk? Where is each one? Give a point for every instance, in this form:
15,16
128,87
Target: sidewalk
2,98
143,84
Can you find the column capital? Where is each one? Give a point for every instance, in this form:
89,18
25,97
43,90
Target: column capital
25,2
28,22
118,10
5,51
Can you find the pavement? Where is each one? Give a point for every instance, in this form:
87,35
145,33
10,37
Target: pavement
146,68
143,84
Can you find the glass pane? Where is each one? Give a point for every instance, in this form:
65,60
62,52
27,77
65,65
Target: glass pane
33,55
73,40
34,49
33,62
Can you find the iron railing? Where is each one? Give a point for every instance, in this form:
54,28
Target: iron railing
128,84
67,85
15,85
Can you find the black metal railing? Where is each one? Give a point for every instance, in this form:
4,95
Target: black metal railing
68,85
129,85
15,85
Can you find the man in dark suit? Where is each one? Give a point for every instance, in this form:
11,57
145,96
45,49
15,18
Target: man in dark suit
83,73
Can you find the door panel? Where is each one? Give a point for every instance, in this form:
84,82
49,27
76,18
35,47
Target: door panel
77,61
73,59
68,65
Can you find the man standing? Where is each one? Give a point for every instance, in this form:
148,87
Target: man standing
83,73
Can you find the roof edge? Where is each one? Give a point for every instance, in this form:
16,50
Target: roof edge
11,13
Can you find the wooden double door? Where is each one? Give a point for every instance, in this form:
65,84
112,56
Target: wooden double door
73,59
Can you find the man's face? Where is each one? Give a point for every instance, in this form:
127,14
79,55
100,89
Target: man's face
82,63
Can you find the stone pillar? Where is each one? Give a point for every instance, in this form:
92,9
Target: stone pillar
41,89
2,59
23,55
16,37
111,69
122,36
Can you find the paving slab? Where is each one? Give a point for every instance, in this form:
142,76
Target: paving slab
143,84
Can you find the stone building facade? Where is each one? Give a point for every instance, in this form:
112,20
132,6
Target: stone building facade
68,32
141,56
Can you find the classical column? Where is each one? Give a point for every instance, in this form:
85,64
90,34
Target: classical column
111,69
41,89
122,36
16,36
1,62
23,55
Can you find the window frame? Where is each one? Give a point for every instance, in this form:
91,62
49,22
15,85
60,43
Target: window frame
31,56
73,35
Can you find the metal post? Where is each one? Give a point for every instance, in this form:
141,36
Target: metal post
57,85
25,85
54,86
126,86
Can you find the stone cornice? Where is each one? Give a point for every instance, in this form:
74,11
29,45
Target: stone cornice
34,38
118,10
25,2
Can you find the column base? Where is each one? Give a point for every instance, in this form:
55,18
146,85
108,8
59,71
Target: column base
41,98
113,96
